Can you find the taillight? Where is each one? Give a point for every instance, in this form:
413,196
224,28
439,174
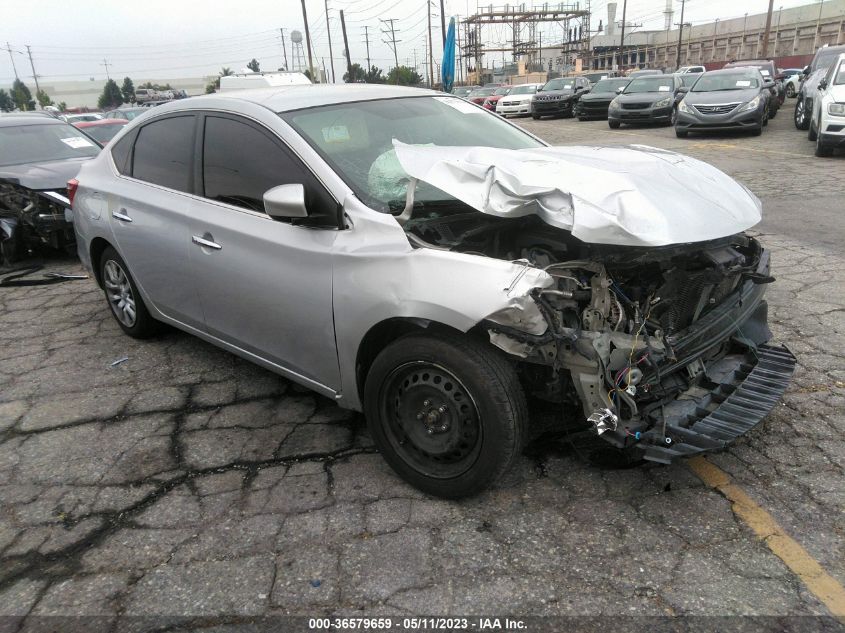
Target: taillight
72,186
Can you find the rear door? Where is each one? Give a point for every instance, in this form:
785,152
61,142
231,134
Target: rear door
149,214
265,285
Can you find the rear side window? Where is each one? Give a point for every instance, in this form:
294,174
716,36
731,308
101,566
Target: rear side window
163,152
121,152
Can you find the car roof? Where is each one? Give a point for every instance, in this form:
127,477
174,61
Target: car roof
749,62
732,71
14,120
100,122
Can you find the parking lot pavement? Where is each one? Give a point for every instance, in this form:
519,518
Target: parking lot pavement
184,481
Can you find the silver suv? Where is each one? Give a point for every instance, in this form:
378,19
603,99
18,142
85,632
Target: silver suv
411,255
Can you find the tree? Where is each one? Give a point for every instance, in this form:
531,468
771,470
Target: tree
355,74
375,76
6,103
253,66
62,106
22,96
111,97
128,90
214,86
43,99
404,76
151,86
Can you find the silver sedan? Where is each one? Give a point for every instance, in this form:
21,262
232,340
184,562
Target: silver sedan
417,258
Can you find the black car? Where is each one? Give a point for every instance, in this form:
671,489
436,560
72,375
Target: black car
649,99
38,155
558,96
728,99
593,104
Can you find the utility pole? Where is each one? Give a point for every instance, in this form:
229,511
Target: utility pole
308,41
622,39
768,30
680,36
329,33
459,56
345,45
106,64
392,43
34,74
284,49
430,51
443,23
12,57
415,60
367,41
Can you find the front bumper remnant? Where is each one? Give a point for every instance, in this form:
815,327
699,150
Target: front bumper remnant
727,412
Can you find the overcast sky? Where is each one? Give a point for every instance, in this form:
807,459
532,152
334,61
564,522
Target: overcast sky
178,38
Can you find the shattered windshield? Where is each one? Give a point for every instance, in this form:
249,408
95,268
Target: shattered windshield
24,144
356,139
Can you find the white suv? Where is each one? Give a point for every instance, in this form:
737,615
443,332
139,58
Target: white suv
827,126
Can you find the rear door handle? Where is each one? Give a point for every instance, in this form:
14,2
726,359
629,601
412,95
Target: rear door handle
121,215
201,241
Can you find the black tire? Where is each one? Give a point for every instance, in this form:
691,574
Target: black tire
773,112
143,326
801,117
582,118
812,135
673,117
447,412
757,131
822,149
681,133
790,91
536,117
613,125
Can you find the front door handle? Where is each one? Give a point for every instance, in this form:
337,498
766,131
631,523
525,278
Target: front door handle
206,243
121,215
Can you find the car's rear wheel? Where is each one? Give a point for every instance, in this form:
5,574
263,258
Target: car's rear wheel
801,117
614,125
446,412
125,302
790,91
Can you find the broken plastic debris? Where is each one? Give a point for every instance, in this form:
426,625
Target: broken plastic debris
119,361
316,583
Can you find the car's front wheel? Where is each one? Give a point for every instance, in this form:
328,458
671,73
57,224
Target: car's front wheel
614,125
802,116
447,412
812,134
822,148
123,297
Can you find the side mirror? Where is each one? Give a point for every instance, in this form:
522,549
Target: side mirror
823,84
768,83
683,89
285,201
806,70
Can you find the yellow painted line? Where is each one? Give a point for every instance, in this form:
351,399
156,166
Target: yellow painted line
812,574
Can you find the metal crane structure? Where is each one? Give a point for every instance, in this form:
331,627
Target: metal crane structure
572,18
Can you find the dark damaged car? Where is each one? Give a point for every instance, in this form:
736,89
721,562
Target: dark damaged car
438,268
649,99
559,96
38,155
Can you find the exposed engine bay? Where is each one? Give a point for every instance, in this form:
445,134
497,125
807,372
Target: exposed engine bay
639,337
30,219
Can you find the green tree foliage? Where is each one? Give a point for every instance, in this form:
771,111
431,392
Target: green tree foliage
128,90
111,97
22,96
355,74
43,98
214,86
62,106
6,103
254,66
404,76
375,76
151,86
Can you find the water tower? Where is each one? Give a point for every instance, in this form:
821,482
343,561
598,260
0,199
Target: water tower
298,53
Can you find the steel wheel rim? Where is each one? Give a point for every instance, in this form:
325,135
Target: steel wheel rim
800,112
431,420
119,293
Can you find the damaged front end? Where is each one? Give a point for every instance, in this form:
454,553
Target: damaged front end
30,219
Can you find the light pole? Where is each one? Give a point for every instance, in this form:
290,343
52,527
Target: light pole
680,36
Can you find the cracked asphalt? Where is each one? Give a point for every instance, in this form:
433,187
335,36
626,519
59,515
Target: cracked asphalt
187,482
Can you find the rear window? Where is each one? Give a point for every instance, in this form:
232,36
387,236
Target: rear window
163,153
24,144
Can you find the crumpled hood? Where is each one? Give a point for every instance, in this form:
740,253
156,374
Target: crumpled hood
43,176
628,196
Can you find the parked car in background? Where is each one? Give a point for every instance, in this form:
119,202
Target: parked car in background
688,79
827,123
813,74
518,100
103,130
594,78
463,91
38,155
683,70
125,113
593,104
646,100
558,96
78,118
768,70
420,302
479,95
142,95
645,72
491,101
791,78
727,99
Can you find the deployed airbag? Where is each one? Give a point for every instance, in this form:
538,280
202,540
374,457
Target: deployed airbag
629,196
